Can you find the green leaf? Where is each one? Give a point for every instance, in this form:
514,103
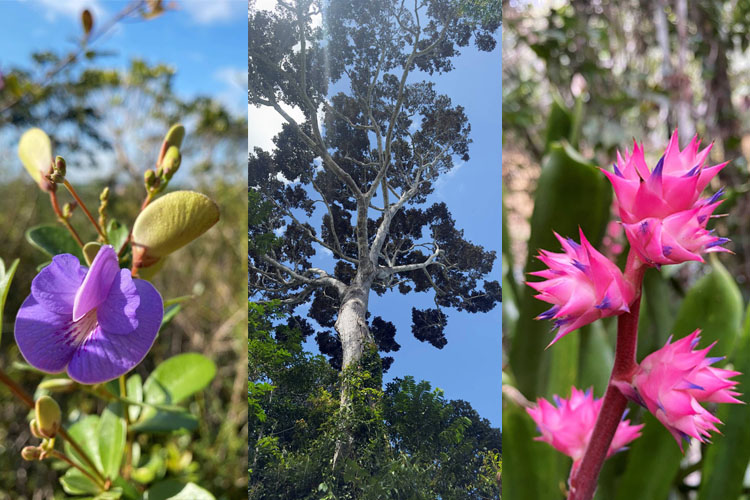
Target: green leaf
117,234
173,381
178,377
84,432
571,192
111,432
727,458
653,462
159,421
74,482
174,490
128,490
169,314
713,304
6,276
134,386
595,358
53,240
563,372
531,469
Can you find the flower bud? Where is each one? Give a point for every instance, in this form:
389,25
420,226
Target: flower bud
171,162
48,416
104,195
148,178
34,428
169,223
58,171
31,453
35,152
174,137
87,20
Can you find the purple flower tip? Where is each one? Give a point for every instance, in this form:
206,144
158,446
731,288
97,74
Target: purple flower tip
96,323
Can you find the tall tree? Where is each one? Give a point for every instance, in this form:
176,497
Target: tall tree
370,145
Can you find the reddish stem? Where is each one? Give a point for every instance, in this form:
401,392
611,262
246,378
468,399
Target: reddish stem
583,484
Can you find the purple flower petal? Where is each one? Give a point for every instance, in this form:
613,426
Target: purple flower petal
105,355
56,285
44,336
117,314
98,281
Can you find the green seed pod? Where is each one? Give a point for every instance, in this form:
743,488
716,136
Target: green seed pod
48,416
31,453
169,223
35,152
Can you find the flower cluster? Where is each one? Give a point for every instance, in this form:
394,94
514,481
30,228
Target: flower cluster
673,381
662,210
567,425
582,284
664,217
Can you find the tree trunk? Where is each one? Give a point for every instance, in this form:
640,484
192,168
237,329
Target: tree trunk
355,337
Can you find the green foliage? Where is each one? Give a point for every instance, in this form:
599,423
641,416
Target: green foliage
53,240
410,441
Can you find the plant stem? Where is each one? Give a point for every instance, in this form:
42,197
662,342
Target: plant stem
18,391
583,483
85,209
65,458
128,435
63,219
146,201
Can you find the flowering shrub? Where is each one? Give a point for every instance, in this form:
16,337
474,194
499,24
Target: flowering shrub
665,218
91,317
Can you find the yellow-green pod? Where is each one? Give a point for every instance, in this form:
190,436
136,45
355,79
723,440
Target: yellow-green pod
171,222
35,152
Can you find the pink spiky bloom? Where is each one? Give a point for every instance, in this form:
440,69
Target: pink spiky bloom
662,212
567,425
673,381
582,284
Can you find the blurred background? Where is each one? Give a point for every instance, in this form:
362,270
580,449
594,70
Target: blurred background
581,79
107,104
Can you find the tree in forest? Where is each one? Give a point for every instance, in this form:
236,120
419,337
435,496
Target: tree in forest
371,143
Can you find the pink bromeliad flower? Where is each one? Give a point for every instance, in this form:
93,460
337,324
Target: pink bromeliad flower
567,425
673,381
582,284
662,212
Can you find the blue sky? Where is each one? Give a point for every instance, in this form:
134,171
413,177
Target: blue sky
205,40
469,366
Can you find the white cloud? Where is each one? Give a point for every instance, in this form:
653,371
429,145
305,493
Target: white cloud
264,123
71,9
234,81
213,11
446,180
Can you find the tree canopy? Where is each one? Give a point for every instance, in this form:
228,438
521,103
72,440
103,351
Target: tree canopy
353,168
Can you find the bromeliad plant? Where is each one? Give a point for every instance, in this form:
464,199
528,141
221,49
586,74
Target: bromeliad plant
665,219
91,317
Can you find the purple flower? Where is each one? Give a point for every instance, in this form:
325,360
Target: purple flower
97,323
